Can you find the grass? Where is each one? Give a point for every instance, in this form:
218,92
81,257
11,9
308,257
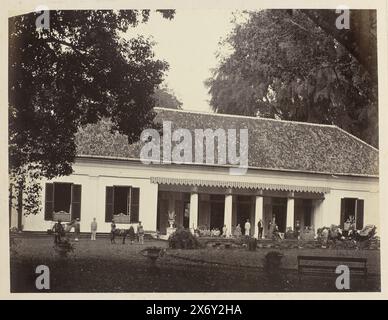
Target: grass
99,266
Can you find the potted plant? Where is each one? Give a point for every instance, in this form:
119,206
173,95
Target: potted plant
153,253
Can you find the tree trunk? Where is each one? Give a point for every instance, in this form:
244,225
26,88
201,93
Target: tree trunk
20,207
10,207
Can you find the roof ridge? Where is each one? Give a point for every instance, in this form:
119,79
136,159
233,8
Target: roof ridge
269,119
246,117
354,137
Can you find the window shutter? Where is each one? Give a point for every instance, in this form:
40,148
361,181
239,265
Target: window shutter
108,204
342,220
76,201
360,214
135,199
49,202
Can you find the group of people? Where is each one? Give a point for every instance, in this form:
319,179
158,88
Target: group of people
59,231
349,227
130,232
247,229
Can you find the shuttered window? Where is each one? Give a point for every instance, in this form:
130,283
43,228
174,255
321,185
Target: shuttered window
352,207
62,197
118,202
135,199
109,204
342,219
76,201
49,202
359,214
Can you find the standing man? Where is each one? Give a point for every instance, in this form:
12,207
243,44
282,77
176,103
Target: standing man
58,231
113,231
260,228
247,228
93,229
76,229
140,233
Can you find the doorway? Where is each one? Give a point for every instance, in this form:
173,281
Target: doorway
244,209
279,211
217,207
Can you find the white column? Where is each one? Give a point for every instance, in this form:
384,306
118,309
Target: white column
258,214
193,221
228,213
290,212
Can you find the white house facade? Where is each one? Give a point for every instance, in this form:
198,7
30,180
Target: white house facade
315,174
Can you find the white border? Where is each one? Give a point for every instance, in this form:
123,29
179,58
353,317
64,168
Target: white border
18,7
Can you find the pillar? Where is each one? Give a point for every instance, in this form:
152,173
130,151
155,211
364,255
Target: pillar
193,220
258,214
290,212
228,213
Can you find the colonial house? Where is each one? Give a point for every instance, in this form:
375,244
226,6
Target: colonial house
316,174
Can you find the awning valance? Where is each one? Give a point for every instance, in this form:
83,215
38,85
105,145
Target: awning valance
238,185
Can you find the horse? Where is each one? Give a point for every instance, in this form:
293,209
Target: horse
121,233
69,226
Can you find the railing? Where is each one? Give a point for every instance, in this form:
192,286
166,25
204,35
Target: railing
62,215
121,218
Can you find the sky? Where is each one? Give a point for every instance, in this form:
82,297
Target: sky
189,43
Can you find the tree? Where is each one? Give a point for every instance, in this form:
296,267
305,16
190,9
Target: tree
166,98
286,66
360,39
74,73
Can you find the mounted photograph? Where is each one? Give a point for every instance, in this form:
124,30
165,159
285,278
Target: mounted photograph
193,150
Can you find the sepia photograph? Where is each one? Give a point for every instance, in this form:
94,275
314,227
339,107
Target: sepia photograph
194,150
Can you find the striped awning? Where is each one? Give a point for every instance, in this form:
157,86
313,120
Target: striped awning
238,185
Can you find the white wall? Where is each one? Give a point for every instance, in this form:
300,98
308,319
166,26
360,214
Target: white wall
332,206
93,202
95,174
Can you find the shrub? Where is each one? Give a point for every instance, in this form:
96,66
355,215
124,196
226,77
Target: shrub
183,239
64,248
290,234
273,261
13,245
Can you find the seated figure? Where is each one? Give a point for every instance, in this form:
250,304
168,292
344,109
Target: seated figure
237,231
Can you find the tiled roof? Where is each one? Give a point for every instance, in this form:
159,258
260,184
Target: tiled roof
273,144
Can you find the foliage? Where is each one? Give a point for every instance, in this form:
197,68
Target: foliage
183,239
64,248
74,73
165,98
272,262
287,67
359,39
25,188
13,245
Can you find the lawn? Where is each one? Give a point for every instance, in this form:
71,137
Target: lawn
99,266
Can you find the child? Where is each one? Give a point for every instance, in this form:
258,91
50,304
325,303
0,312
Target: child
140,233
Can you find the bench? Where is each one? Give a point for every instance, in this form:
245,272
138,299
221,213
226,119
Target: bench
318,265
